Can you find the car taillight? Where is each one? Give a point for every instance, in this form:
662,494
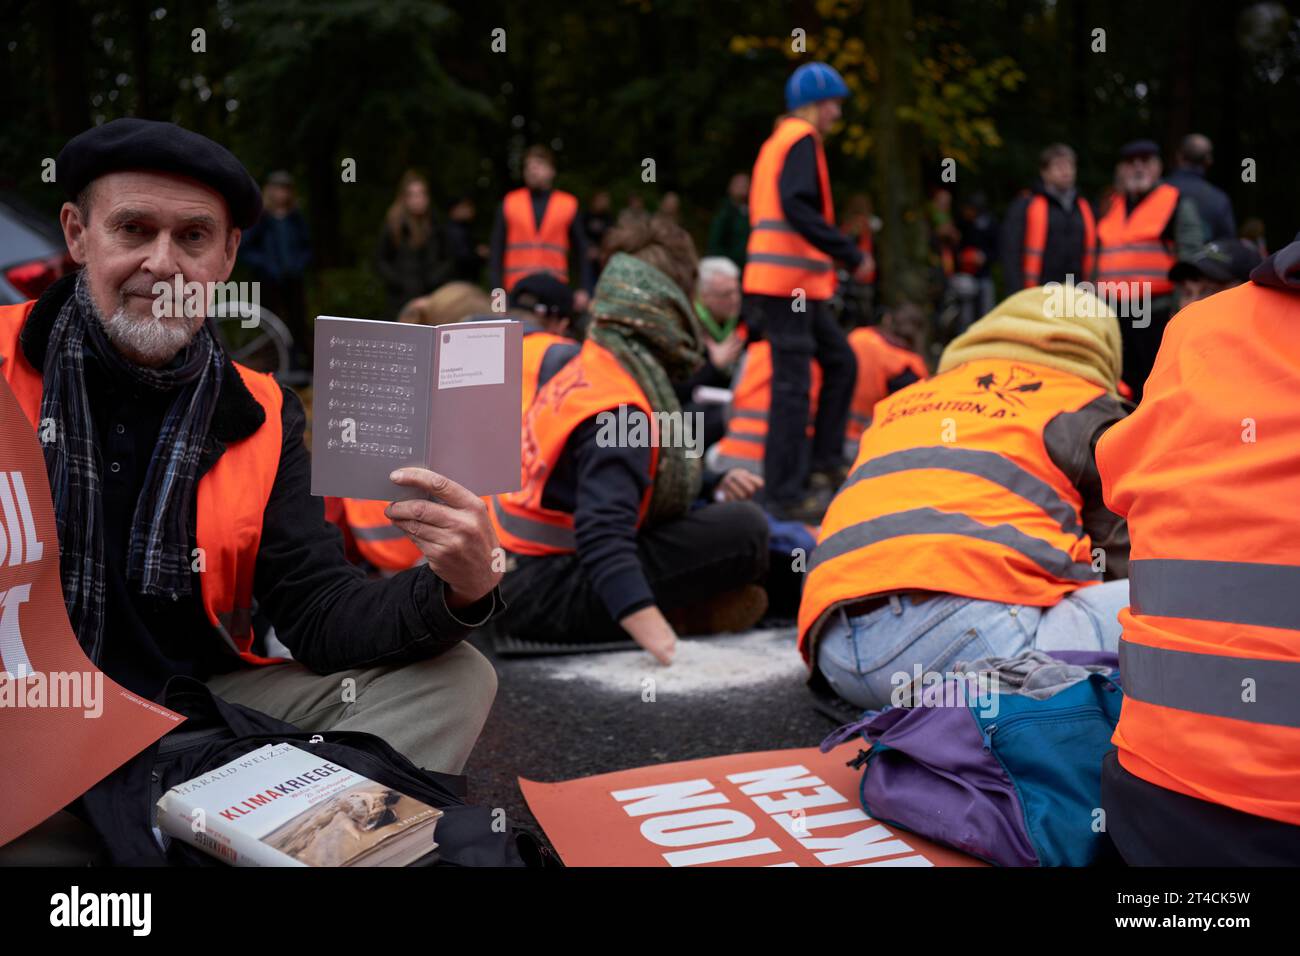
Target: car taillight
33,278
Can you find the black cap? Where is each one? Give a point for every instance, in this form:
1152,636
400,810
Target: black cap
1139,147
132,143
542,292
1224,260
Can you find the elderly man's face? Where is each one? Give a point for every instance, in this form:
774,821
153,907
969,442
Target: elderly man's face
1139,174
143,228
721,296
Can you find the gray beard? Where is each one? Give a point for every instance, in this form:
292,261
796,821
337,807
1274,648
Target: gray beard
147,341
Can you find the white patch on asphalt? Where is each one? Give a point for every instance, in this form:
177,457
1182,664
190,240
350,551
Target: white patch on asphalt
701,664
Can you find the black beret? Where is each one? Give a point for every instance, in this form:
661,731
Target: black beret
1139,147
132,143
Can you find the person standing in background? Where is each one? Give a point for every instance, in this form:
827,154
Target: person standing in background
730,228
1195,157
407,258
278,250
597,219
538,229
789,278
1050,233
466,255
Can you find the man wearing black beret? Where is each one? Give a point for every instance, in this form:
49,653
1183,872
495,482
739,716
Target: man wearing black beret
181,480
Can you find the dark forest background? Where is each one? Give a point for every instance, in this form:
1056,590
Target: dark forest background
303,84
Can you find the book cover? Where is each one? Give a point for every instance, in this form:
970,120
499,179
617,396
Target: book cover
281,805
389,395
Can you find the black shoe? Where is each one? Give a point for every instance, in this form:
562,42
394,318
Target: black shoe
807,510
828,479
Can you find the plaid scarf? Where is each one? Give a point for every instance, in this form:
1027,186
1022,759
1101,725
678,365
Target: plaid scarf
158,557
646,321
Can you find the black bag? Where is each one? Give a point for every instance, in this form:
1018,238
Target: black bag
121,806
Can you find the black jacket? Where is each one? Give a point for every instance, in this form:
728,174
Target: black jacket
1063,252
1212,203
325,610
801,201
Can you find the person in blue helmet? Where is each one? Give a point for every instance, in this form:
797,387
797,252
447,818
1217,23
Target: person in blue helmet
788,281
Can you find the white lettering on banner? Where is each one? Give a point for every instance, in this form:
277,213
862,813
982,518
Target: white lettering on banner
674,819
697,826
17,523
767,781
13,655
669,797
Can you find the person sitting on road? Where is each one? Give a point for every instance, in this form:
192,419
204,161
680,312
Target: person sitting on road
972,523
605,546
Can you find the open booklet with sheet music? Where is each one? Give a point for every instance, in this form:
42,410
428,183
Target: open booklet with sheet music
389,395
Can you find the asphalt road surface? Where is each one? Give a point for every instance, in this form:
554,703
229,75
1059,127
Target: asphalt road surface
567,716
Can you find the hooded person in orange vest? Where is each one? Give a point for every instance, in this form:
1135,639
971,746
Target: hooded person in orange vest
1207,770
605,545
1144,229
789,279
180,478
971,524
538,229
888,359
1050,235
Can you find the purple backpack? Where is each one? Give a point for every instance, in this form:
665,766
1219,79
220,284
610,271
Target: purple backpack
1011,779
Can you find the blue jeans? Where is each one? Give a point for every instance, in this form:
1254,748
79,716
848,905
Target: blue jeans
862,656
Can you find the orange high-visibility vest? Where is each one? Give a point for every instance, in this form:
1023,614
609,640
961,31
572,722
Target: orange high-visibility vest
953,490
536,345
232,495
531,247
745,441
1131,248
1207,473
778,259
591,383
380,541
1031,260
879,361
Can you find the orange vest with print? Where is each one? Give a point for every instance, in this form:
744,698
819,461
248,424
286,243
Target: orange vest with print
232,495
953,490
778,259
531,247
1131,248
745,442
879,361
593,382
1207,471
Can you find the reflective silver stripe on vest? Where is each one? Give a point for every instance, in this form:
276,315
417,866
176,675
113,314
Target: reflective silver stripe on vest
727,462
863,420
537,532
1235,592
745,437
792,262
236,622
513,246
383,532
750,415
1213,684
772,225
932,521
985,464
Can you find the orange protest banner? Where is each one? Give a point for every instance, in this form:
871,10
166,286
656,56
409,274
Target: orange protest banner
774,808
64,725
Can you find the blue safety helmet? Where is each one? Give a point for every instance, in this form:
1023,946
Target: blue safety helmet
813,82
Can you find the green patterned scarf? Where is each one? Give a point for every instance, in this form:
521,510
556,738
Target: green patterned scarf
646,321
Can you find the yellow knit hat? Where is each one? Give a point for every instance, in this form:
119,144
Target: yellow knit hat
1061,326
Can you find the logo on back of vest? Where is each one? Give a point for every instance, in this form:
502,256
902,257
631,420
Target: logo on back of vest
1020,381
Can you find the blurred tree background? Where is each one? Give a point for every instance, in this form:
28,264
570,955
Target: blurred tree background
305,84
